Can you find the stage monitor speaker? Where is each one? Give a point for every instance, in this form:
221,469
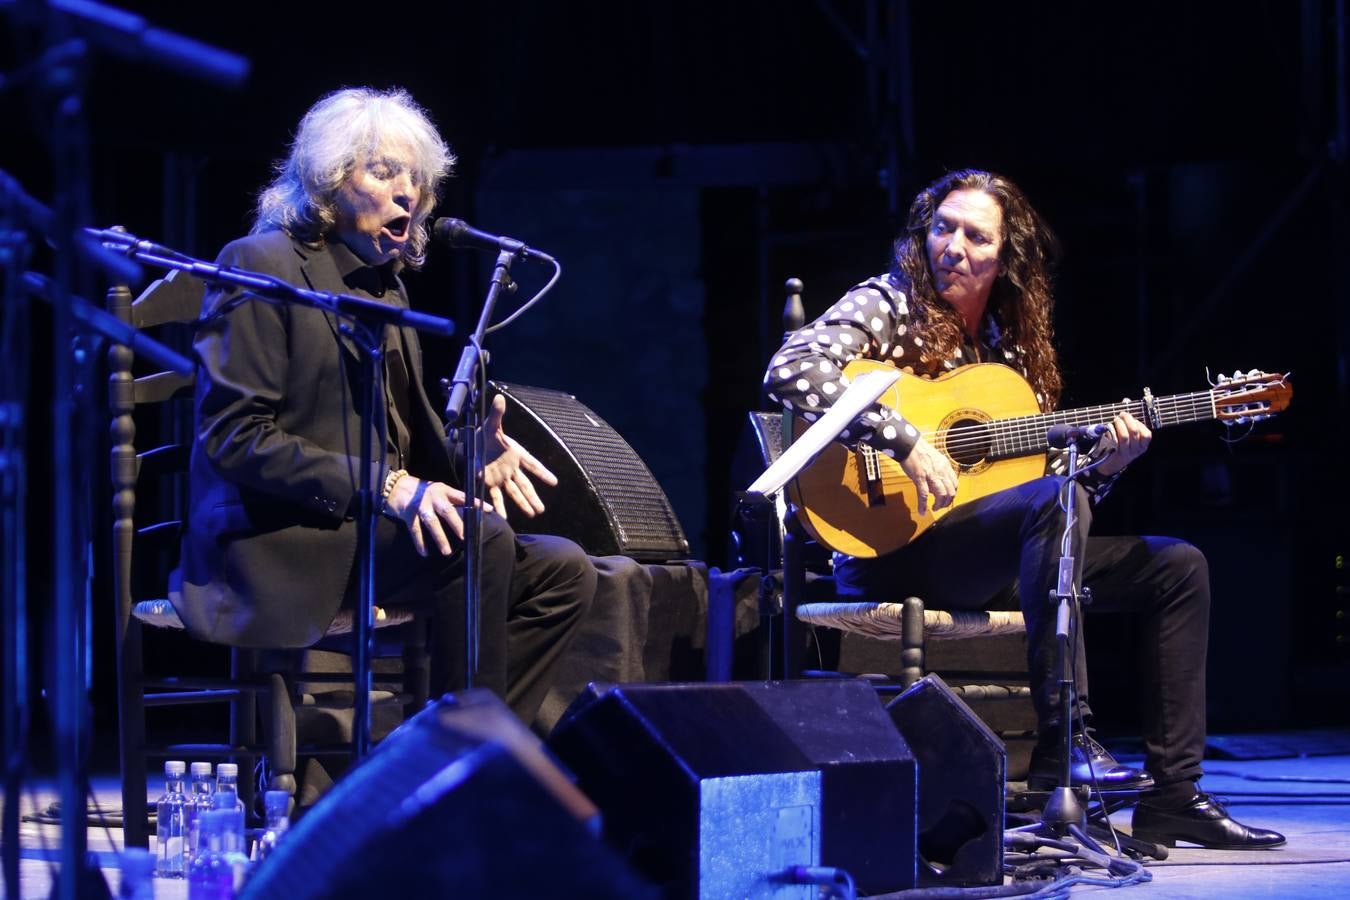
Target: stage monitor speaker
606,499
462,800
713,790
962,770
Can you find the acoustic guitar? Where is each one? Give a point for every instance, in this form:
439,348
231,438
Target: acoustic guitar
985,419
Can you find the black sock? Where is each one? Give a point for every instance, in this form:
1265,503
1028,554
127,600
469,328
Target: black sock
1171,796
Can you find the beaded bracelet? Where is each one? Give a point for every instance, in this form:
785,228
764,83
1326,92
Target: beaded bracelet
389,481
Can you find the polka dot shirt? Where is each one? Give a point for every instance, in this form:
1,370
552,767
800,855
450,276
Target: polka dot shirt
873,321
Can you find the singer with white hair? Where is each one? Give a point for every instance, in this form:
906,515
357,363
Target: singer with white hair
269,556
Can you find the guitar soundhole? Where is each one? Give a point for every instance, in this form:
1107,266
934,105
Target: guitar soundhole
967,442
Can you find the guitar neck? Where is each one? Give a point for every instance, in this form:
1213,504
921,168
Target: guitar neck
1025,435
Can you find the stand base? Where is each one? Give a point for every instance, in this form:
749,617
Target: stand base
1025,808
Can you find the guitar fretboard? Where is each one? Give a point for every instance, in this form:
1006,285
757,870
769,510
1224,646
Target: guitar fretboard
1025,435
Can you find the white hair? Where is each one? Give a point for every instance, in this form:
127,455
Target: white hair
336,133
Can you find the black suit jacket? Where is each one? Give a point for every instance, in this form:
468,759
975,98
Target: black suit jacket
271,536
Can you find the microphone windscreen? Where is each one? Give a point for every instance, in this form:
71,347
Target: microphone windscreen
447,230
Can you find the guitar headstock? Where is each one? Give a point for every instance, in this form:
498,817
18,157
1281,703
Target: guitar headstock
1246,397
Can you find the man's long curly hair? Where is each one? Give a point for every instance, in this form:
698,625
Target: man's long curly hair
1021,301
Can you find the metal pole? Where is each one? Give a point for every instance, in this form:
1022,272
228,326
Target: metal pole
13,572
374,419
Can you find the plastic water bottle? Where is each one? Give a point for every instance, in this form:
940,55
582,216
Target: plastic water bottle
211,875
227,792
138,872
169,822
199,801
277,806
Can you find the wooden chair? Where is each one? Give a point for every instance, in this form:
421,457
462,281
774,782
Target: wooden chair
908,624
279,685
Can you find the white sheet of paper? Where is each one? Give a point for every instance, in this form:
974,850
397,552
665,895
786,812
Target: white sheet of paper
861,393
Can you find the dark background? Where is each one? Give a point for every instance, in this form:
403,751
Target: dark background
682,160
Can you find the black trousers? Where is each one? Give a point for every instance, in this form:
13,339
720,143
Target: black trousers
1007,546
535,591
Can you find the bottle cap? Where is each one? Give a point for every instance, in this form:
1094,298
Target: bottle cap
200,768
227,770
174,767
276,803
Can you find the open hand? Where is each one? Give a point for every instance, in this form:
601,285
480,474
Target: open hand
509,465
430,509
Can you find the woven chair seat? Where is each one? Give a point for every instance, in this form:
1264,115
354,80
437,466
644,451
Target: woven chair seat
885,620
161,614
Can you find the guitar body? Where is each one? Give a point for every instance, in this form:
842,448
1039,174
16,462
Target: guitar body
845,510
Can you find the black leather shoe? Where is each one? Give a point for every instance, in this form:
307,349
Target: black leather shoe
1203,821
1043,772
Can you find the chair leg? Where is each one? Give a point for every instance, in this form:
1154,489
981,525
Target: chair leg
794,587
131,736
416,666
911,642
280,734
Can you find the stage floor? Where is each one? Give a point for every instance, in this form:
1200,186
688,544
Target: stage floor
1308,799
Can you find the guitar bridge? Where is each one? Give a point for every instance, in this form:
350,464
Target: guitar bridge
869,476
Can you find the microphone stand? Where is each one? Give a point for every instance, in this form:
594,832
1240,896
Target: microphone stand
362,321
463,414
60,77
62,86
1064,814
14,326
370,340
1063,810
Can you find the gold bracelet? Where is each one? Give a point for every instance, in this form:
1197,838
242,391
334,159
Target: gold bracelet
389,481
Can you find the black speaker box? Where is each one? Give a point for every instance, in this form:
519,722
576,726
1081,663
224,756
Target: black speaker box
657,757
606,499
962,770
461,800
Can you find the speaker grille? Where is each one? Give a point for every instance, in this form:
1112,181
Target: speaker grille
641,523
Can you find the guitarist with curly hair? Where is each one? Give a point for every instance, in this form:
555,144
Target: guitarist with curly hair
970,285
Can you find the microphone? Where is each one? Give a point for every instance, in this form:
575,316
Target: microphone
131,37
40,218
1060,436
458,233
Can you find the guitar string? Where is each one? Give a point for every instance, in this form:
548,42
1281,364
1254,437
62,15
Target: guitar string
1028,432
1024,433
1173,410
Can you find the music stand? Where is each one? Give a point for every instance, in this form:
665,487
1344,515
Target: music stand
861,393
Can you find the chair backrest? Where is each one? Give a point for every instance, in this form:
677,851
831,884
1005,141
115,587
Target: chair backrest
175,299
768,428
